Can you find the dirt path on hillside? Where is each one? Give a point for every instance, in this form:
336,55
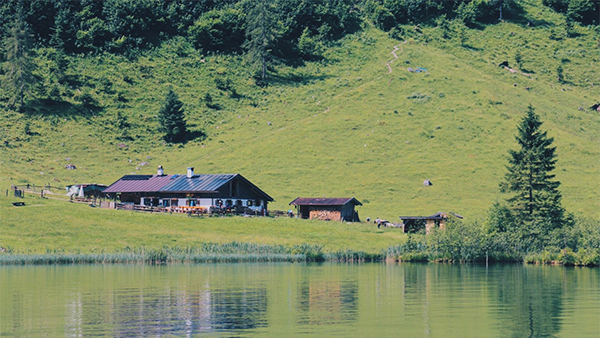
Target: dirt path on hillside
396,48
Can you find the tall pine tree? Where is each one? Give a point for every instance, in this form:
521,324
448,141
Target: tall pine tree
172,120
535,200
19,79
261,35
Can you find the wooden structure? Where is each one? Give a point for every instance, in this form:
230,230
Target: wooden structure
189,193
327,209
89,190
414,224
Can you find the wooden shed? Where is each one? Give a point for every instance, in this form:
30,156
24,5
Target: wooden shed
327,209
416,223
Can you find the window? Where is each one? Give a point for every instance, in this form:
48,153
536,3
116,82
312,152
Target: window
257,203
249,203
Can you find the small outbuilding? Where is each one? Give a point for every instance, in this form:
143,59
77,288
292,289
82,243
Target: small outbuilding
88,190
327,209
416,223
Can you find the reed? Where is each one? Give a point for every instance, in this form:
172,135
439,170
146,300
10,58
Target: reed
204,253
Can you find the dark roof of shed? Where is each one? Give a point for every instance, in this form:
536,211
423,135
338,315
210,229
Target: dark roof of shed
438,215
85,185
139,183
324,201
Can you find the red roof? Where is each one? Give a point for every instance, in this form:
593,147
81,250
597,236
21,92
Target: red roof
139,183
324,201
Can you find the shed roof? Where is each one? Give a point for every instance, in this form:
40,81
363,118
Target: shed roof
438,215
324,201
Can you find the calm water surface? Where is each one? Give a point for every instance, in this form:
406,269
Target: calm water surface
287,300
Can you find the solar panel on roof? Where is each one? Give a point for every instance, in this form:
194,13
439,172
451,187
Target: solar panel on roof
136,177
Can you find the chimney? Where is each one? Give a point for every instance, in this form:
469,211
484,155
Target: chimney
190,172
160,171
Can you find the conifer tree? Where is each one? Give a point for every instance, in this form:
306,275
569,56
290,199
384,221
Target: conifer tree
535,197
19,79
261,35
171,118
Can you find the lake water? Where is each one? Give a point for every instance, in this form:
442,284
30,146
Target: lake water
291,300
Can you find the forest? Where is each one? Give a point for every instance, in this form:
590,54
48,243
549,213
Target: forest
295,29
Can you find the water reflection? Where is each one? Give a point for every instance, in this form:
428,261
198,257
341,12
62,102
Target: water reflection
533,300
326,301
430,300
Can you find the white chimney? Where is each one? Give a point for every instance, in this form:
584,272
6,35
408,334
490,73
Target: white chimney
160,171
190,172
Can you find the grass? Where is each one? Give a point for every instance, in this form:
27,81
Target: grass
339,127
47,226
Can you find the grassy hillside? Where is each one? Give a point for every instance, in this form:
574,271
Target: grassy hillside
343,126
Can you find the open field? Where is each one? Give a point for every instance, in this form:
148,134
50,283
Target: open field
51,226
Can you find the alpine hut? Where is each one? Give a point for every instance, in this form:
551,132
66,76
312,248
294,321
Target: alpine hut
191,191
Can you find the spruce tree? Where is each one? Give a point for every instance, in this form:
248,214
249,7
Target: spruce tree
171,118
19,79
535,200
261,35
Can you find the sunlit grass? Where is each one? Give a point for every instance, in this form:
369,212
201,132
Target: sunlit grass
49,226
339,128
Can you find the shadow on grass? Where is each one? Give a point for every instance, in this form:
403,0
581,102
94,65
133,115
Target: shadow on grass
293,79
62,109
190,135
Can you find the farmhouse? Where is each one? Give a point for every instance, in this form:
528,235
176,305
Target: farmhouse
204,192
327,209
416,223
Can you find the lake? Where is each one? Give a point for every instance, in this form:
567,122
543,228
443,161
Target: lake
299,299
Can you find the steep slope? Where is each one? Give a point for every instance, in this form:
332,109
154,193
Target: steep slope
346,126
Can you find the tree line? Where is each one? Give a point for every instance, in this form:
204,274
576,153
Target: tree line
265,31
83,26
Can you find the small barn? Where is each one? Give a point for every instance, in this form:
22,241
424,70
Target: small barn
414,224
90,190
327,209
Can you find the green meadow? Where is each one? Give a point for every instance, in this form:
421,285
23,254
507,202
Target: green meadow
46,226
338,127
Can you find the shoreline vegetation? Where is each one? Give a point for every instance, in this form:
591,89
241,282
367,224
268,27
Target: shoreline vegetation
237,252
